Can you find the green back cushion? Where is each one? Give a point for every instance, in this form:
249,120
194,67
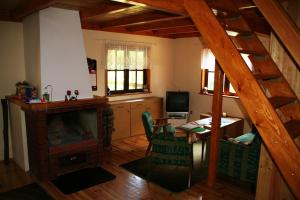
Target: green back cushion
168,149
148,124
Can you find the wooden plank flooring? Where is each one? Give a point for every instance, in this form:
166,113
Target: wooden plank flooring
126,185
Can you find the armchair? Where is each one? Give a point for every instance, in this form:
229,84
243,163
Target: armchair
240,161
167,149
152,126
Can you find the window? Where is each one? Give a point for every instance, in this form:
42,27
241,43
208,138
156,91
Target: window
127,68
208,75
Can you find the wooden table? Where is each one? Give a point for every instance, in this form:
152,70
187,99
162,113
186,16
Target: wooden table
230,127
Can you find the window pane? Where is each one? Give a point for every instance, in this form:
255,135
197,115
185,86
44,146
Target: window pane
132,60
120,80
132,79
140,60
210,81
140,79
111,60
111,80
231,89
120,59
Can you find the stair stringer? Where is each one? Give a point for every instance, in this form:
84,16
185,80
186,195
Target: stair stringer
282,148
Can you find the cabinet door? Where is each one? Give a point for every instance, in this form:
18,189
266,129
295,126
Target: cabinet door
137,108
121,121
154,106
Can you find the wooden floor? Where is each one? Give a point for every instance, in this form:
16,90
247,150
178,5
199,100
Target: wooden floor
126,185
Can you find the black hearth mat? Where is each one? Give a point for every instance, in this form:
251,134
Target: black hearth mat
82,179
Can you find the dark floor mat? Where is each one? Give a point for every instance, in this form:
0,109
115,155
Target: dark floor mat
28,192
173,178
82,179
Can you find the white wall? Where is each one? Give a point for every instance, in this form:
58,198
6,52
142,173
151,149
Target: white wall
62,54
11,62
162,61
187,76
31,36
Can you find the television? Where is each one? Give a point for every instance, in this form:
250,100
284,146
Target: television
177,101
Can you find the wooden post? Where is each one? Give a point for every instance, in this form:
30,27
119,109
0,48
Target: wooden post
216,121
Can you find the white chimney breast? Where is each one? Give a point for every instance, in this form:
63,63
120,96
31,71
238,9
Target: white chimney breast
62,56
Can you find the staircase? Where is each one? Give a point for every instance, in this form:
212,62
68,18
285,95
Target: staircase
269,100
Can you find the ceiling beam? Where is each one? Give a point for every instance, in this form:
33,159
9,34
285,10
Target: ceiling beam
176,30
184,35
31,7
152,16
173,6
103,8
173,22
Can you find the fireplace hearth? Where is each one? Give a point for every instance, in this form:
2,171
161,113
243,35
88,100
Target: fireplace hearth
64,136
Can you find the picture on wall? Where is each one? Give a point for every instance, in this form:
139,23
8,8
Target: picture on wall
92,64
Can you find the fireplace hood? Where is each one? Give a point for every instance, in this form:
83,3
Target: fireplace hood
55,54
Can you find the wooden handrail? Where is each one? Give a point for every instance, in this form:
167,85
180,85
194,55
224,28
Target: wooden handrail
282,24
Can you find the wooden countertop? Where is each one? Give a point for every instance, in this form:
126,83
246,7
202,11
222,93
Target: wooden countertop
56,104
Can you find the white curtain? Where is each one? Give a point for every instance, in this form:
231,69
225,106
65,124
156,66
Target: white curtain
207,59
127,56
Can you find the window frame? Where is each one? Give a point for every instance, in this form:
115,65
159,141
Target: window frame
204,83
126,90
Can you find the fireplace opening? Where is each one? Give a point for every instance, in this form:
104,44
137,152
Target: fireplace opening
71,127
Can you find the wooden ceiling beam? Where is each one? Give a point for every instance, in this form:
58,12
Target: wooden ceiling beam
176,30
103,8
118,14
167,23
173,6
184,35
152,16
31,7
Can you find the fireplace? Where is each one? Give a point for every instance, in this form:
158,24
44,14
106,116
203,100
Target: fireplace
64,136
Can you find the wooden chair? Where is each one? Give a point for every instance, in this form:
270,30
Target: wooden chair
152,126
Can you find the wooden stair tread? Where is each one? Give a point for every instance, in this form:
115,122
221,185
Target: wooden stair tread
293,127
245,51
263,76
279,101
249,42
240,31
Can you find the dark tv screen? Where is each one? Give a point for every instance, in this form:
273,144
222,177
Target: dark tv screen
177,101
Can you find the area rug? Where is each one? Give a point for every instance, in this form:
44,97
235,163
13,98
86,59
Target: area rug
173,178
28,192
82,179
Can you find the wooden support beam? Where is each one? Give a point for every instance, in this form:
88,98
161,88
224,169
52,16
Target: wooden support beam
282,24
216,124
